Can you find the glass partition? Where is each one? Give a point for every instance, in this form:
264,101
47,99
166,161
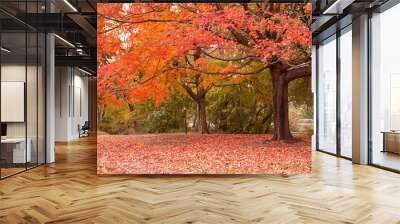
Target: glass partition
327,95
13,103
31,98
22,78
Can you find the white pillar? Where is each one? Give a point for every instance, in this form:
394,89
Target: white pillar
314,92
360,90
50,99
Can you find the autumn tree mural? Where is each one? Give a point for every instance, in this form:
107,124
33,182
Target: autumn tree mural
202,54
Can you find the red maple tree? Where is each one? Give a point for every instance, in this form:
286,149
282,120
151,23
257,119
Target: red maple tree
143,47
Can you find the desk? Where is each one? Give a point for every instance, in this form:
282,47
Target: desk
391,141
17,150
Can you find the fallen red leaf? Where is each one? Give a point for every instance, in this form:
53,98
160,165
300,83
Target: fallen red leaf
201,154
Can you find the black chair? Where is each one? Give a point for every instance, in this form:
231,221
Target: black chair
84,130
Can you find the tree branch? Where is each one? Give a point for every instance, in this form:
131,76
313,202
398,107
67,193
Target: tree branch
190,92
239,37
144,21
225,73
230,59
298,71
110,29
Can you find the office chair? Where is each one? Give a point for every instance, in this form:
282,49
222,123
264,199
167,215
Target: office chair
84,130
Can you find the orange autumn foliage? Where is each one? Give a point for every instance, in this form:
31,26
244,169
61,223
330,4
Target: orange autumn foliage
143,48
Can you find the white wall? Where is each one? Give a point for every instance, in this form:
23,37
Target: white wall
71,94
13,73
80,111
33,126
62,81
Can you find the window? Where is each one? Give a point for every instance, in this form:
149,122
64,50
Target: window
327,95
346,74
385,89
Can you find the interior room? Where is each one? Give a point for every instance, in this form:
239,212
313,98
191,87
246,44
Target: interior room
71,102
49,113
25,69
22,99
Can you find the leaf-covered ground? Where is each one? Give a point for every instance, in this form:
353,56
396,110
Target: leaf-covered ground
201,154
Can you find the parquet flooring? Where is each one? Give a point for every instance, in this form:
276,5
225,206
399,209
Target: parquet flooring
70,191
10,171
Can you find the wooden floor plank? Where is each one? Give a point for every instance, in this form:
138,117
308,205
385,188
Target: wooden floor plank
70,191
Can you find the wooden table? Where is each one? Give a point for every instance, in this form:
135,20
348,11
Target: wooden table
391,141
13,150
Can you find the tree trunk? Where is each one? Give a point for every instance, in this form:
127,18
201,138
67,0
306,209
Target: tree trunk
194,122
202,121
223,122
280,103
200,98
102,112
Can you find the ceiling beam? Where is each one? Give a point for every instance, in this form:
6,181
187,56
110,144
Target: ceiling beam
49,22
90,31
78,61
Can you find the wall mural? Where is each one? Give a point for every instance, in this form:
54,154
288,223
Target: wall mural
204,88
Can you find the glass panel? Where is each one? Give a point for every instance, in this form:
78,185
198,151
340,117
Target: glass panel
31,98
22,88
346,92
13,86
385,84
327,95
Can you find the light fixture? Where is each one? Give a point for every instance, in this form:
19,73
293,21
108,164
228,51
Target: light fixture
64,40
5,50
84,71
70,5
80,51
337,7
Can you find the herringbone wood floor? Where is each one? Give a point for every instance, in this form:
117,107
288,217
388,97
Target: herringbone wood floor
69,191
